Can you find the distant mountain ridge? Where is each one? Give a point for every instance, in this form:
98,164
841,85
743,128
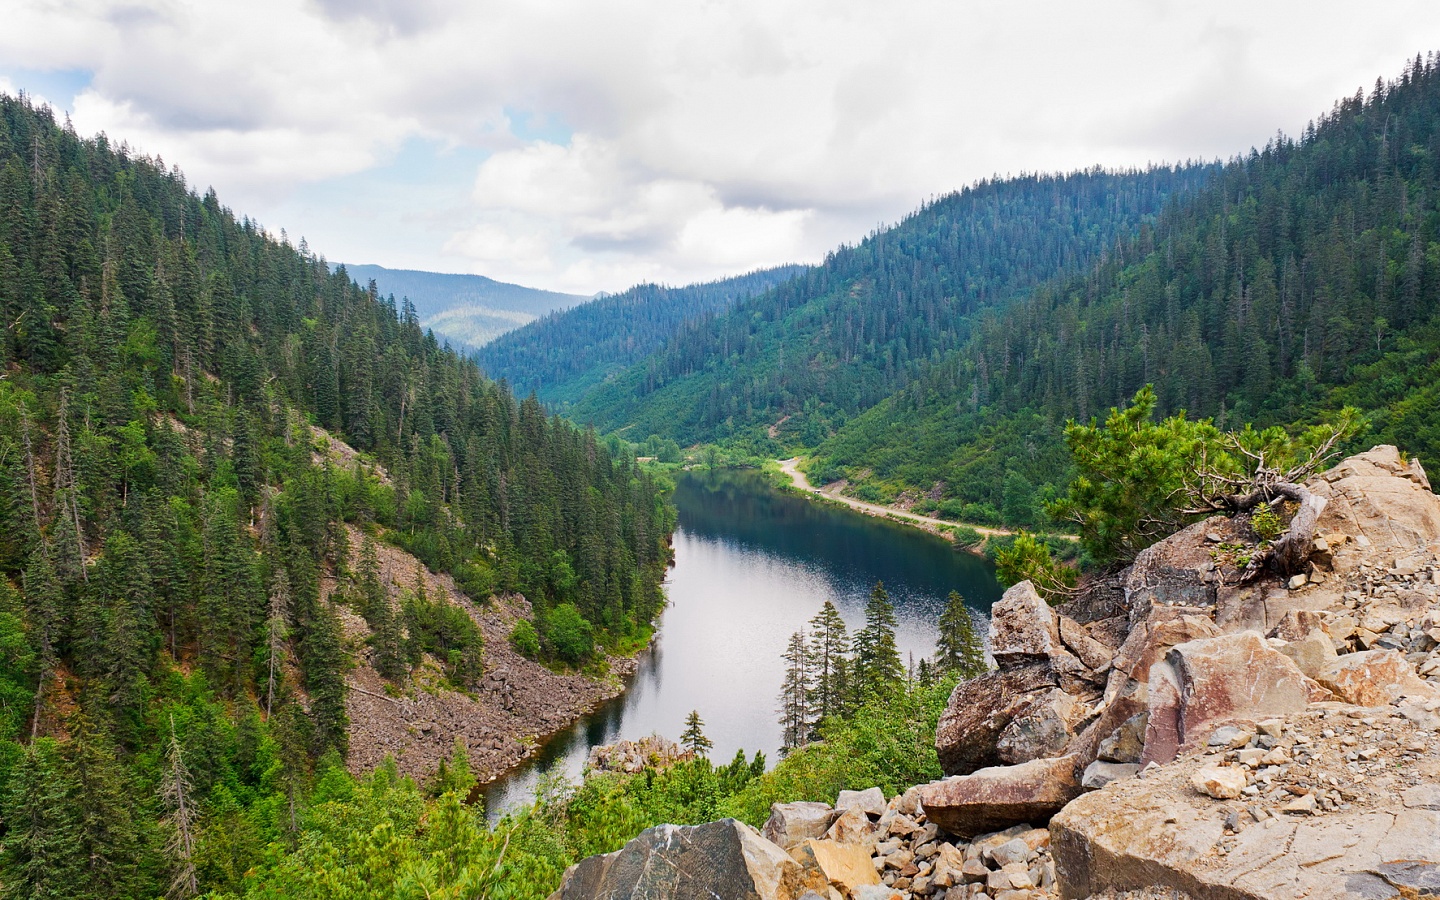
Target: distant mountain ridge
565,354
467,310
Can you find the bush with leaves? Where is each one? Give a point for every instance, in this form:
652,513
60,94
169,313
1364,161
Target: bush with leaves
1138,481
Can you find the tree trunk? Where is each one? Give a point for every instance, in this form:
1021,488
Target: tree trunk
1289,554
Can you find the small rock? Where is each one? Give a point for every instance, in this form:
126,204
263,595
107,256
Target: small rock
1303,805
1100,773
1220,782
871,801
1008,853
1298,581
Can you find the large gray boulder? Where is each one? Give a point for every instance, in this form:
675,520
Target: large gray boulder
1023,628
670,862
981,709
998,797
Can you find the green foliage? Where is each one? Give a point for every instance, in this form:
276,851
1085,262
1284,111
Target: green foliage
1026,559
524,639
568,635
1138,480
1266,524
876,659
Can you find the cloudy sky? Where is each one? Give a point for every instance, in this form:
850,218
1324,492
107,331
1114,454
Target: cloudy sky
585,146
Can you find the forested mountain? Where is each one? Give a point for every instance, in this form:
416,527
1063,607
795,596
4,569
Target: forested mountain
1304,278
566,353
849,333
467,310
169,516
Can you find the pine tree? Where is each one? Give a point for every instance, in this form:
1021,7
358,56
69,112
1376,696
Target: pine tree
829,644
958,649
277,632
795,713
878,669
43,856
176,792
108,835
694,739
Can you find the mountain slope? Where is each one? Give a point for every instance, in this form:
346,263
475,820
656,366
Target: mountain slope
175,568
566,353
467,310
1306,277
852,331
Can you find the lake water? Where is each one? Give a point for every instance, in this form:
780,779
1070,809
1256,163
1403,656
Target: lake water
752,566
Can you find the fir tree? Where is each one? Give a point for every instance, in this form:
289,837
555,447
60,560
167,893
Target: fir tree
43,855
829,644
878,669
795,714
958,649
694,739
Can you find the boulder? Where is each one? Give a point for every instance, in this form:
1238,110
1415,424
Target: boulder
1100,773
1296,624
1202,684
1374,678
994,798
870,801
1041,727
1312,653
1091,652
1180,570
844,867
1154,833
979,711
791,823
1023,628
1382,502
1127,742
1220,782
669,862
1152,639
852,826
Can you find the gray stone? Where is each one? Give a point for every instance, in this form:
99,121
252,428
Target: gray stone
1100,773
670,862
1011,852
870,801
791,823
1091,652
1042,727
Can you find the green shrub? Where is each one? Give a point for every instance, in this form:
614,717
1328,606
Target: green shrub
524,639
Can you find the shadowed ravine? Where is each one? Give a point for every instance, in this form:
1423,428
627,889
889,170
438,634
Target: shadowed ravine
753,565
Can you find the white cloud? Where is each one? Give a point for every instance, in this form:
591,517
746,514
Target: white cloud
697,139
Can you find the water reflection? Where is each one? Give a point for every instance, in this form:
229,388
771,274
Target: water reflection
753,565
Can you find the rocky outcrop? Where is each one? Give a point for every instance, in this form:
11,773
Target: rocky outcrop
998,797
650,752
700,862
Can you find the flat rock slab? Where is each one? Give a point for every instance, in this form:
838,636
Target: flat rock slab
1022,625
1156,831
994,798
669,862
1201,684
1373,678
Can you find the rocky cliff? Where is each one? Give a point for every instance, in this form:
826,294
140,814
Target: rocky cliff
1194,726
